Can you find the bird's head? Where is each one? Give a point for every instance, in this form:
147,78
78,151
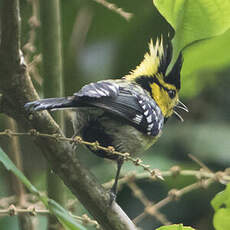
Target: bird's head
151,75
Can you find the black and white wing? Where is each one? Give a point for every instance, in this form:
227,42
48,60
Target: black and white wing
98,90
140,110
87,93
153,119
128,102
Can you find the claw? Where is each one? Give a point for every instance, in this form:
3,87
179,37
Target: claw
112,196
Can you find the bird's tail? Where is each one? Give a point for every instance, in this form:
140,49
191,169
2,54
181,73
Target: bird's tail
50,104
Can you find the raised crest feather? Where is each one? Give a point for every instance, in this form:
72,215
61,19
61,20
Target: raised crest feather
152,61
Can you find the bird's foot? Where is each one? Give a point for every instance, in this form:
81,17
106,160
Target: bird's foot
112,196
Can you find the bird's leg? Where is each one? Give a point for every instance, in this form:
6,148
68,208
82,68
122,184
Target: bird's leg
113,191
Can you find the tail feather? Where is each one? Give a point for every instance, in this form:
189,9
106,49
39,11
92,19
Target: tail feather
50,104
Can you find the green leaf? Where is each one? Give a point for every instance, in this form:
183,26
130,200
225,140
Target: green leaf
221,205
194,20
67,221
175,227
207,58
199,54
221,220
222,198
11,167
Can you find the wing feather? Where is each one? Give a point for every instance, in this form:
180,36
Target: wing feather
139,110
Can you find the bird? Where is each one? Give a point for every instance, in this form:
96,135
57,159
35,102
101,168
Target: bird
127,113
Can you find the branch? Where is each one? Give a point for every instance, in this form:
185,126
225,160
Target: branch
173,195
222,177
17,89
138,193
29,48
126,15
33,211
205,177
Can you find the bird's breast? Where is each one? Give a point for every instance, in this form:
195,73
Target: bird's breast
96,125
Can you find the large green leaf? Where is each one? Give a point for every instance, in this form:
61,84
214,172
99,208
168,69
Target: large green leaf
221,220
207,57
209,54
175,227
63,216
221,198
221,205
194,20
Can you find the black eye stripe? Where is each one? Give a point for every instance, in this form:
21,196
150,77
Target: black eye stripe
146,81
171,92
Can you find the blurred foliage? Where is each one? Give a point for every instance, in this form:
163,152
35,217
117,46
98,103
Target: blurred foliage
194,20
62,215
175,227
99,44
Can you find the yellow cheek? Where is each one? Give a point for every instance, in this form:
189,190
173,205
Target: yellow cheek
159,97
163,101
156,91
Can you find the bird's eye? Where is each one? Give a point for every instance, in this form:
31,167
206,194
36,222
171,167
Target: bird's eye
172,93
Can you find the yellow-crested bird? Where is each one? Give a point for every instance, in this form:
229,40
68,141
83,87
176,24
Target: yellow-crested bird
127,113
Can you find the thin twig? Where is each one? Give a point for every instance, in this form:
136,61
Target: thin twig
173,195
205,177
34,23
12,210
29,48
199,162
138,193
222,177
114,8
155,173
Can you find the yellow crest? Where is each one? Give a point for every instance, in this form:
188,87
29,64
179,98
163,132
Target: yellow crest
149,66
